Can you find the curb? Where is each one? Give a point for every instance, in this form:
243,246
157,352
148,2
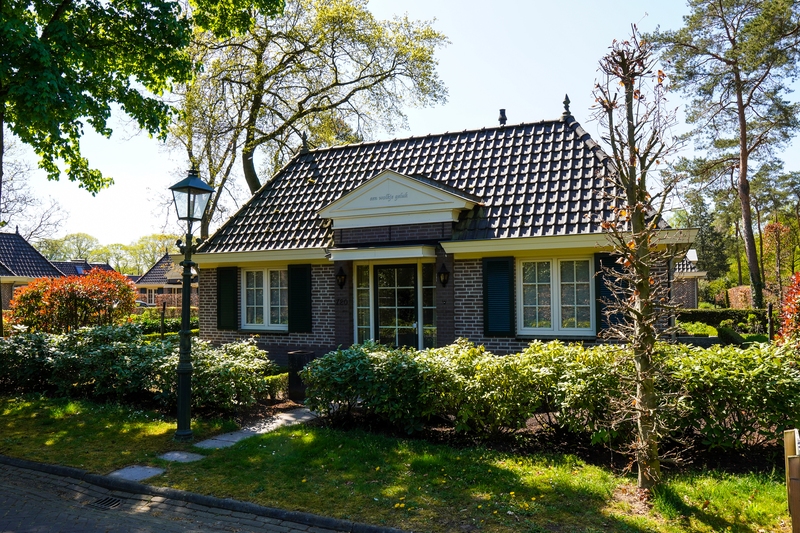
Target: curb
228,504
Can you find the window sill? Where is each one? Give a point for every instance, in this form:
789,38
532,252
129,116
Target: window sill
264,331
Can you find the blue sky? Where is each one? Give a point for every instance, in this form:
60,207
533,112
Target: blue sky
523,56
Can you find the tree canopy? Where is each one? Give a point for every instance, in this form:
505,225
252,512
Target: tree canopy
736,58
323,72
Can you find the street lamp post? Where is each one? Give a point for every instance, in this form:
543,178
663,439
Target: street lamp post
191,197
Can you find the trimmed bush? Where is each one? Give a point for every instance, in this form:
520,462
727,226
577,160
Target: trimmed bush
277,386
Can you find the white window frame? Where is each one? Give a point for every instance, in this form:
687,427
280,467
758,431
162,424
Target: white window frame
555,298
150,296
267,325
370,265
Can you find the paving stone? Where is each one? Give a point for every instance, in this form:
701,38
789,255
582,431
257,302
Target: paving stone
181,457
137,472
227,439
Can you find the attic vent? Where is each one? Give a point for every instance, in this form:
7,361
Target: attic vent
502,118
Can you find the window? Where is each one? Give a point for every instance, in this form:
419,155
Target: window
151,296
266,299
556,296
395,303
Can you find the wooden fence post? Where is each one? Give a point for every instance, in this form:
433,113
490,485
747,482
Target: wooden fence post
791,440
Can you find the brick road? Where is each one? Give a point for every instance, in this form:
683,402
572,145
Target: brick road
32,500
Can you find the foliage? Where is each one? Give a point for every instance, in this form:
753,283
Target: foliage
737,58
322,73
56,305
735,397
149,325
715,317
227,378
729,336
695,328
790,313
116,363
66,63
276,386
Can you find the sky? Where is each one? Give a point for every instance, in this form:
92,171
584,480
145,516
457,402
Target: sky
520,55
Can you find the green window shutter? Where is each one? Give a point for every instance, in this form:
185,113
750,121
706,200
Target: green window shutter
603,292
498,296
300,299
227,292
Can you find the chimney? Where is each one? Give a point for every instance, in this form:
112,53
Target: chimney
502,118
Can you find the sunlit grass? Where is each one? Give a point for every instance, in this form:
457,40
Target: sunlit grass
404,483
97,438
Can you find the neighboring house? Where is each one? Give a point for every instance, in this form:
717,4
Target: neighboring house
80,267
684,281
21,263
490,234
163,284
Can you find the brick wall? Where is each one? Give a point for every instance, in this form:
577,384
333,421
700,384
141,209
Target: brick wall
468,320
434,231
320,340
684,293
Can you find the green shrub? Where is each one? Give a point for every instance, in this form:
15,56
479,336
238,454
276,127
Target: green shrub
731,397
714,317
26,363
729,336
227,378
697,328
152,325
276,386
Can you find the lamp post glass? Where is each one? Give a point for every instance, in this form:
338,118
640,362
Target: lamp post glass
191,196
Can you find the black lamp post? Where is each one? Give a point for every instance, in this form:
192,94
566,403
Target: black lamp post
191,197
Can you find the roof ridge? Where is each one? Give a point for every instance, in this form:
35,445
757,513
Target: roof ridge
427,135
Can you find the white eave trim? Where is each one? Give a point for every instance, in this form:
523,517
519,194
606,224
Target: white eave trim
212,260
16,279
598,241
399,252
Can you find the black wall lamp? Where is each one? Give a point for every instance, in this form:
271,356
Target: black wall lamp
443,275
341,278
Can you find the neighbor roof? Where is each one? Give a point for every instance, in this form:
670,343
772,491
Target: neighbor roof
79,267
157,275
20,259
537,179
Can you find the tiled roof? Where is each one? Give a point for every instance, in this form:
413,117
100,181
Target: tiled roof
544,178
19,258
157,275
79,268
687,268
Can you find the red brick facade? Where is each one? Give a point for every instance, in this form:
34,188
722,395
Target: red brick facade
320,341
436,231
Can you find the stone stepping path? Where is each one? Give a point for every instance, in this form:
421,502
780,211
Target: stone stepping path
288,418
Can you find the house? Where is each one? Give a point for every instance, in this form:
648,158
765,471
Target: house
163,284
79,267
685,279
490,234
20,263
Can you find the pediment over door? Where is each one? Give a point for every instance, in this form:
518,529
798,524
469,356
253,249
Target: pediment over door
390,198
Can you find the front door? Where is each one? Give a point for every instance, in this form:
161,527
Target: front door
396,305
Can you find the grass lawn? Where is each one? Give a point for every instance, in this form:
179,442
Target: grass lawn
403,483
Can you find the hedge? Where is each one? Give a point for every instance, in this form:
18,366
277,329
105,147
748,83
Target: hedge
713,317
720,397
116,363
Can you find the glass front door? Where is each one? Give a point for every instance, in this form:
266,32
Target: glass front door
396,305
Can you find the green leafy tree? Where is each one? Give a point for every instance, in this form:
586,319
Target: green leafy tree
145,252
72,246
322,73
737,57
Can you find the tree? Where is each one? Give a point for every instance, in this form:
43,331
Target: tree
19,207
710,242
322,72
736,57
635,127
72,246
146,251
57,305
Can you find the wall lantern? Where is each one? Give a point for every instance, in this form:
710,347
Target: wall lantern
443,275
341,278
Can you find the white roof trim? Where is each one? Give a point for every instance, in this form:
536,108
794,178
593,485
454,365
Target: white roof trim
390,199
598,241
399,252
216,259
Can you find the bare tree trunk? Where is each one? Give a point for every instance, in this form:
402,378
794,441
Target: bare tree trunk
2,151
739,254
760,245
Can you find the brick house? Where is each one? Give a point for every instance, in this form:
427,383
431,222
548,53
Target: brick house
685,289
490,234
21,263
163,284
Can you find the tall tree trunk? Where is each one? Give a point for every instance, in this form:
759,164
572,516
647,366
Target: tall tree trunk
760,245
2,152
739,254
743,188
